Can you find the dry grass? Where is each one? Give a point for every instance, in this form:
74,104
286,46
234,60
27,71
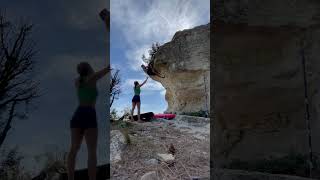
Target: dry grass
148,139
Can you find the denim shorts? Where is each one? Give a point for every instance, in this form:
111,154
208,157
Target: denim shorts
84,117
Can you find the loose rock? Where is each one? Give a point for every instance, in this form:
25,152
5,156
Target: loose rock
150,176
166,157
152,161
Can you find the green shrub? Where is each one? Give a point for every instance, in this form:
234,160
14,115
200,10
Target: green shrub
200,113
125,133
114,114
10,166
123,124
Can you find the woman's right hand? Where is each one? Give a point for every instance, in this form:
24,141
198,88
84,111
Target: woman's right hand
144,82
105,15
98,75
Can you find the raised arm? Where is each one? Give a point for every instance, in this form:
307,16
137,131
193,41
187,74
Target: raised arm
105,16
98,75
144,82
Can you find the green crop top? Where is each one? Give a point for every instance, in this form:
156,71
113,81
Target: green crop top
87,94
137,90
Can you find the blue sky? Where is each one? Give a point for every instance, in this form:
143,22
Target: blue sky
135,25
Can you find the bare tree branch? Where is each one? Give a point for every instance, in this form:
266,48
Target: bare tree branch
115,88
16,64
20,36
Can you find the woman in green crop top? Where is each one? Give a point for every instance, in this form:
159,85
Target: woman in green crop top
136,98
84,121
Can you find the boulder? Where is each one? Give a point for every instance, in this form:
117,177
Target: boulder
258,78
185,63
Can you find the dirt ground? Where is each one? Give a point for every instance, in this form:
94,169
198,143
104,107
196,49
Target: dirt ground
149,138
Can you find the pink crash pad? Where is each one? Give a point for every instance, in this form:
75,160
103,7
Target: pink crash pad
165,116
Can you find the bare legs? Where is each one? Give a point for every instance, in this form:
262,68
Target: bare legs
76,139
134,104
132,110
138,106
91,136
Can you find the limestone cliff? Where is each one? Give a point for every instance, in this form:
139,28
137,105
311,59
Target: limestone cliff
259,87
300,13
185,63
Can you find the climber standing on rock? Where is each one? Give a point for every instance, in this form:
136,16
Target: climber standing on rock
84,121
136,98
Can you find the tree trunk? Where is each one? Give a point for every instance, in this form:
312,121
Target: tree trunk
7,127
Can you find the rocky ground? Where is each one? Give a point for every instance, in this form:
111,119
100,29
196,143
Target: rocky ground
148,155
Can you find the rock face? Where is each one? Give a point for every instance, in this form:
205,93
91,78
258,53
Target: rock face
226,174
185,63
300,13
258,78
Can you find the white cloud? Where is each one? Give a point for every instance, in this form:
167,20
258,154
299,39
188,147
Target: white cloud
151,108
116,65
134,57
151,21
149,86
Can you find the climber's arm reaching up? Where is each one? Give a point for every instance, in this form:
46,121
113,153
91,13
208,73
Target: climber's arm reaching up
98,75
105,16
144,82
